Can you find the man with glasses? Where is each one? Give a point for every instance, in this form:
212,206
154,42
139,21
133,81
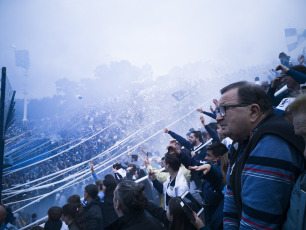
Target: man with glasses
266,158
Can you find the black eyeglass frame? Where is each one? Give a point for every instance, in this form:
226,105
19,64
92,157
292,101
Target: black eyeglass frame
222,109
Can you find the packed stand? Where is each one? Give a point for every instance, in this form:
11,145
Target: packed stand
246,170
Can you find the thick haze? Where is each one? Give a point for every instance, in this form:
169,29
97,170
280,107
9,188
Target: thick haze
71,38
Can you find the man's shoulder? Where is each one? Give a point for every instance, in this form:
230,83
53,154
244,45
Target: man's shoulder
274,152
271,144
277,126
93,208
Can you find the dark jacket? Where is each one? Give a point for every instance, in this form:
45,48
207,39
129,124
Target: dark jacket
213,198
73,226
93,215
158,213
53,225
108,212
136,221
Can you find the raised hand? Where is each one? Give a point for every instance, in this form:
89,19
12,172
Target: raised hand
198,223
92,166
152,175
282,68
277,81
202,120
200,110
211,109
172,148
173,141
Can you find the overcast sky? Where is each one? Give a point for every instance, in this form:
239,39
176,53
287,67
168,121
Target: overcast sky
70,38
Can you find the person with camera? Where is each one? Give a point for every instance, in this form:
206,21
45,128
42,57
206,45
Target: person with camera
119,171
175,218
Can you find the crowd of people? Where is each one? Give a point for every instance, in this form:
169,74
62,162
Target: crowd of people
246,168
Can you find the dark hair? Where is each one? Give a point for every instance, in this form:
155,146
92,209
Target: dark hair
92,190
3,214
110,186
198,134
130,196
186,151
133,168
141,173
80,219
301,69
99,183
107,176
217,148
37,228
180,219
54,213
135,157
117,165
173,161
282,54
213,125
69,210
75,200
250,93
224,166
204,135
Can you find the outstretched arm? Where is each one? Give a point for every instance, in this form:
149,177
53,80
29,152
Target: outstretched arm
213,134
212,114
94,175
179,138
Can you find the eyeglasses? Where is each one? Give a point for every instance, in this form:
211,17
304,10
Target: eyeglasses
222,109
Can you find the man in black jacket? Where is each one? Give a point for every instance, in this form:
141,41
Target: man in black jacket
93,212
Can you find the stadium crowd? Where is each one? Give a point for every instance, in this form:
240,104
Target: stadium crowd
245,170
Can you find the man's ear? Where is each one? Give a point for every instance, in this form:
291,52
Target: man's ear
255,113
117,204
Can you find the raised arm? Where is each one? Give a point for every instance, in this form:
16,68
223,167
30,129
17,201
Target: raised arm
179,138
213,134
94,175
